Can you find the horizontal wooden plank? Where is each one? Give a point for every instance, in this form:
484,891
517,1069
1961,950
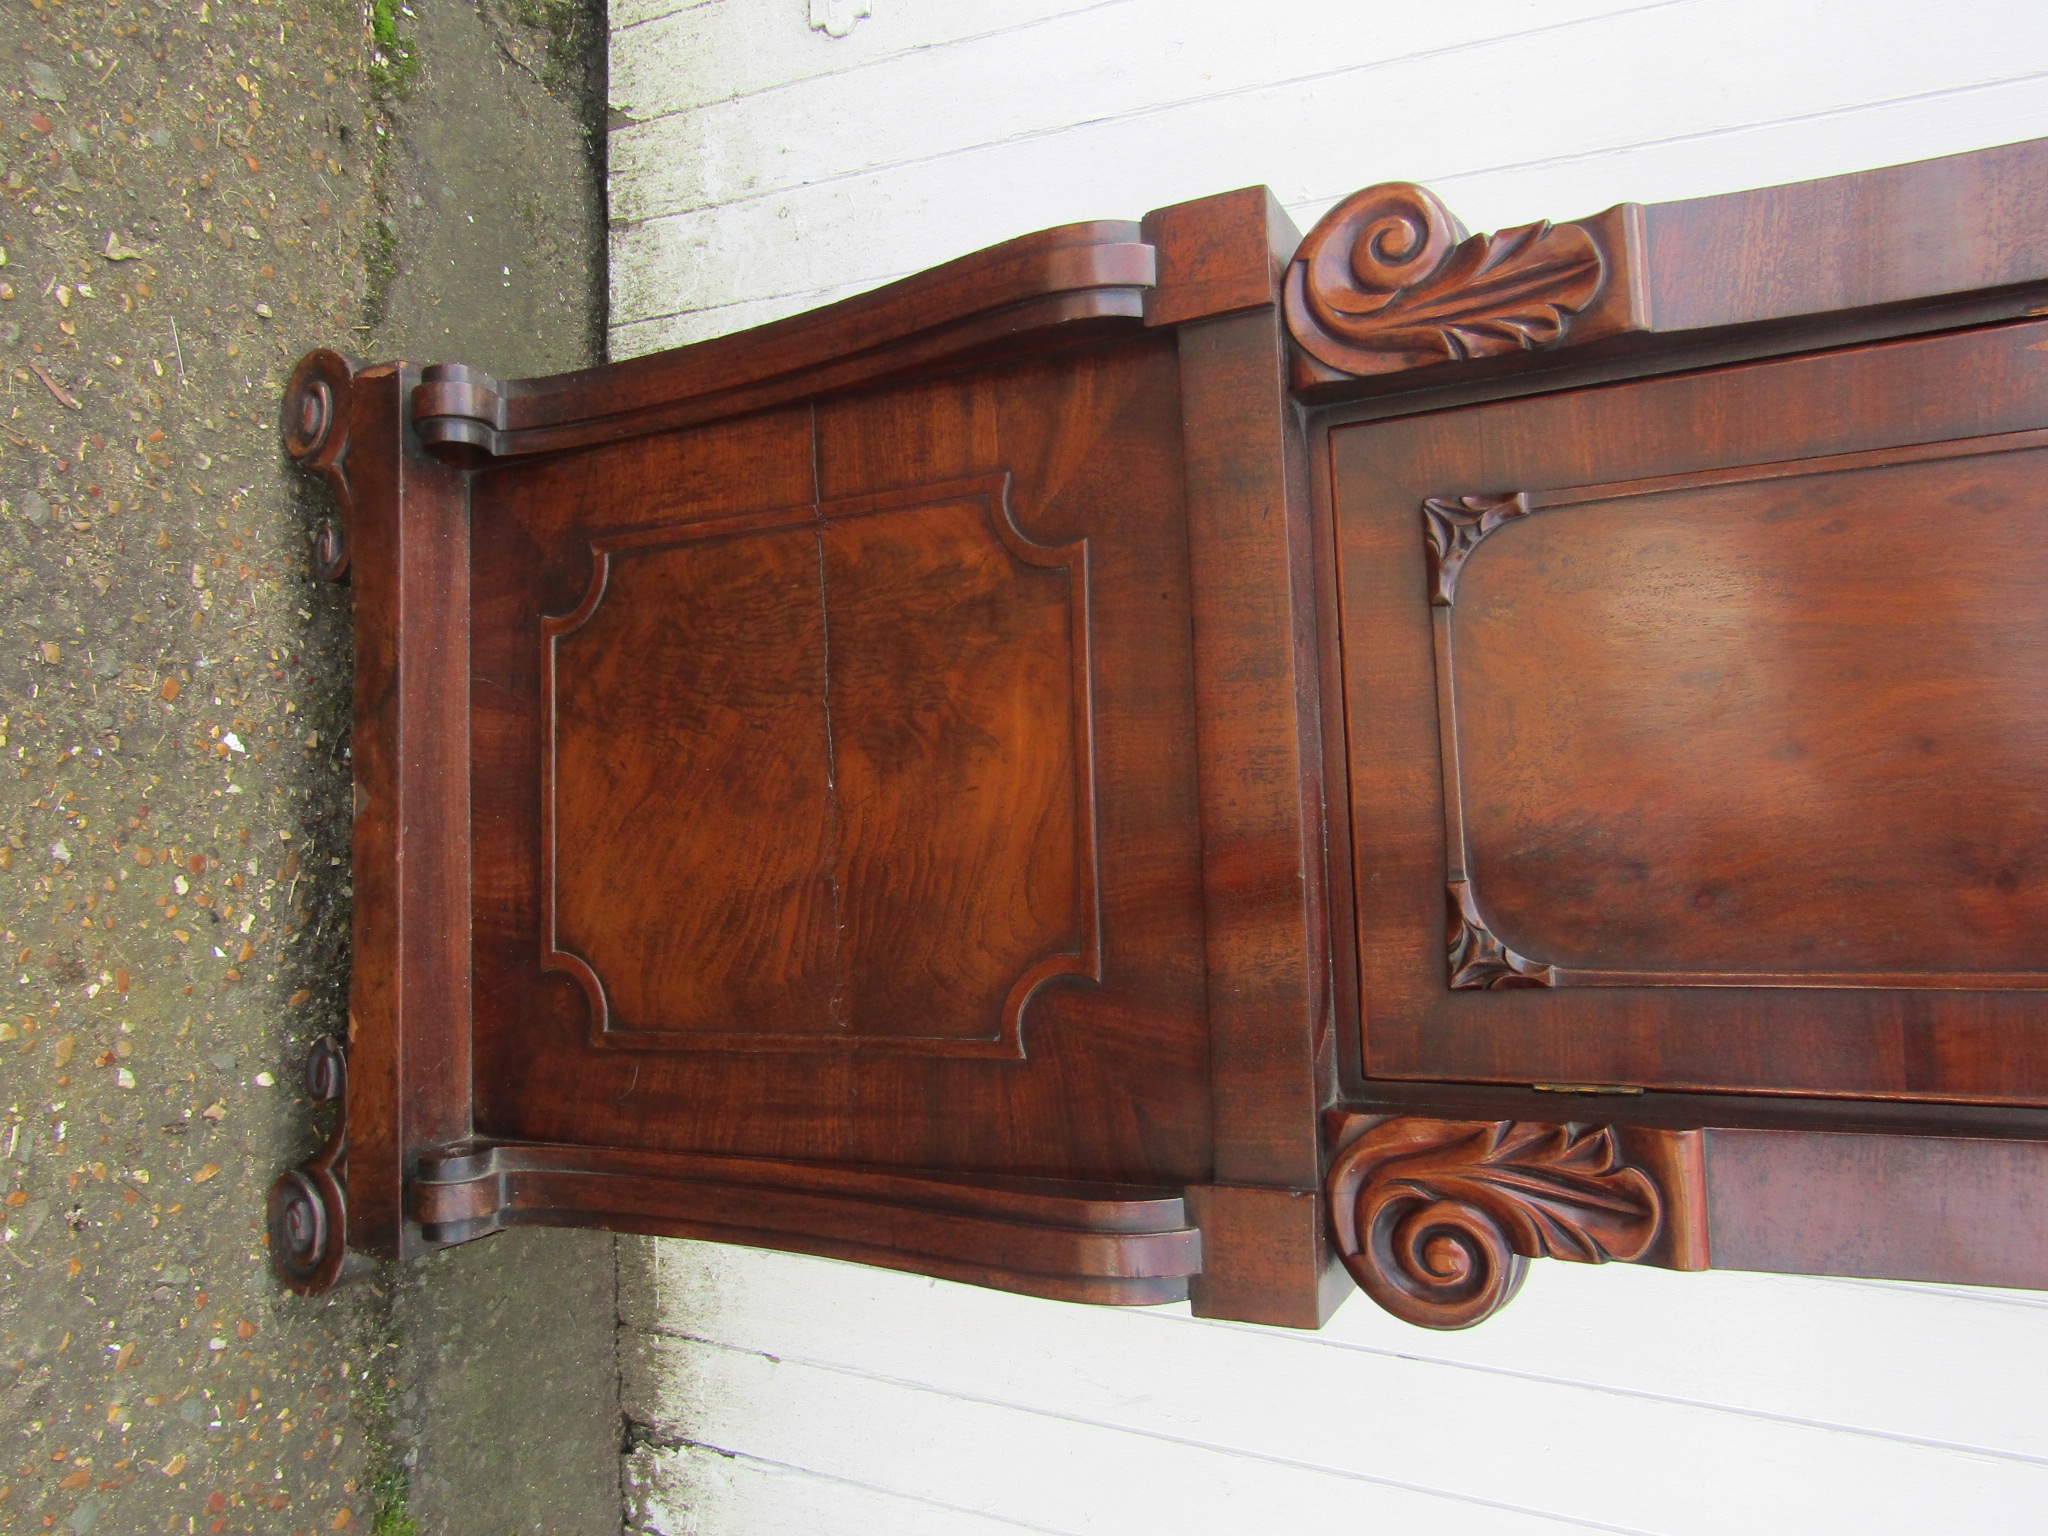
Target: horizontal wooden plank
690,1491
1041,1471
1106,66
1914,126
1793,1348
1105,61
860,228
1631,1361
1086,1441
638,337
668,56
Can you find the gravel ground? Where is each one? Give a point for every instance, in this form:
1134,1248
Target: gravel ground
195,194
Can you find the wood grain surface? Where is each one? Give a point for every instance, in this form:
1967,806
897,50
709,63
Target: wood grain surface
898,815
1798,694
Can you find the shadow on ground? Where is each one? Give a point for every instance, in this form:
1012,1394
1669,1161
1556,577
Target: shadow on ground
195,194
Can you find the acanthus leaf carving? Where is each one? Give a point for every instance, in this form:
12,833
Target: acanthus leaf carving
1478,960
1452,527
1389,280
1436,1219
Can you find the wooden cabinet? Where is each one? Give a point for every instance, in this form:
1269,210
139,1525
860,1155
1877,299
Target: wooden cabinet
1175,760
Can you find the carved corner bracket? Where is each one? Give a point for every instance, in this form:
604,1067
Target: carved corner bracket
317,402
309,1203
1478,960
1388,280
1452,527
1437,1219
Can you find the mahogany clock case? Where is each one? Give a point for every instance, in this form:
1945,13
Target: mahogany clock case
1175,760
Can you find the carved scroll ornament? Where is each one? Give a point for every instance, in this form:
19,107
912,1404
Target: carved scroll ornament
317,402
309,1203
1436,1219
1389,280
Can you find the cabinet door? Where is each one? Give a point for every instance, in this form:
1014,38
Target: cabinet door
834,789
1698,727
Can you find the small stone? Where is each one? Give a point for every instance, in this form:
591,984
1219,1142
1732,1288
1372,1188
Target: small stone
119,250
265,1080
225,1061
159,137
44,82
124,1078
35,508
264,311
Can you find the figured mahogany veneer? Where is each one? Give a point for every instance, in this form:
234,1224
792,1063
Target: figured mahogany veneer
1174,760
830,721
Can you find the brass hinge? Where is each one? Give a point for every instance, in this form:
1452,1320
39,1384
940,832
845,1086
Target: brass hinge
1582,1088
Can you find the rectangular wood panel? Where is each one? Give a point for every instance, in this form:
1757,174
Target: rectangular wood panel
1773,726
1695,727
835,798
838,754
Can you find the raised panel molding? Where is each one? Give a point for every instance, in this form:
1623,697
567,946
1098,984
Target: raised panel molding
1836,504
1436,1219
885,661
1388,280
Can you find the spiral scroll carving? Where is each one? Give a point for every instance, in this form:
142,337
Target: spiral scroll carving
315,420
1389,280
1437,1219
309,1203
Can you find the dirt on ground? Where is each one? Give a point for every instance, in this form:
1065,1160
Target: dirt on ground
194,194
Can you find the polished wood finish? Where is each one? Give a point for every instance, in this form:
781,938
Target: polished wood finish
1954,1209
403,545
1735,726
1061,284
1436,1219
1791,842
1388,281
1170,760
1267,1256
916,785
1903,237
875,708
1106,1244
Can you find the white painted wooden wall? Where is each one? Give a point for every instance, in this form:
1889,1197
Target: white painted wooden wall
764,165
